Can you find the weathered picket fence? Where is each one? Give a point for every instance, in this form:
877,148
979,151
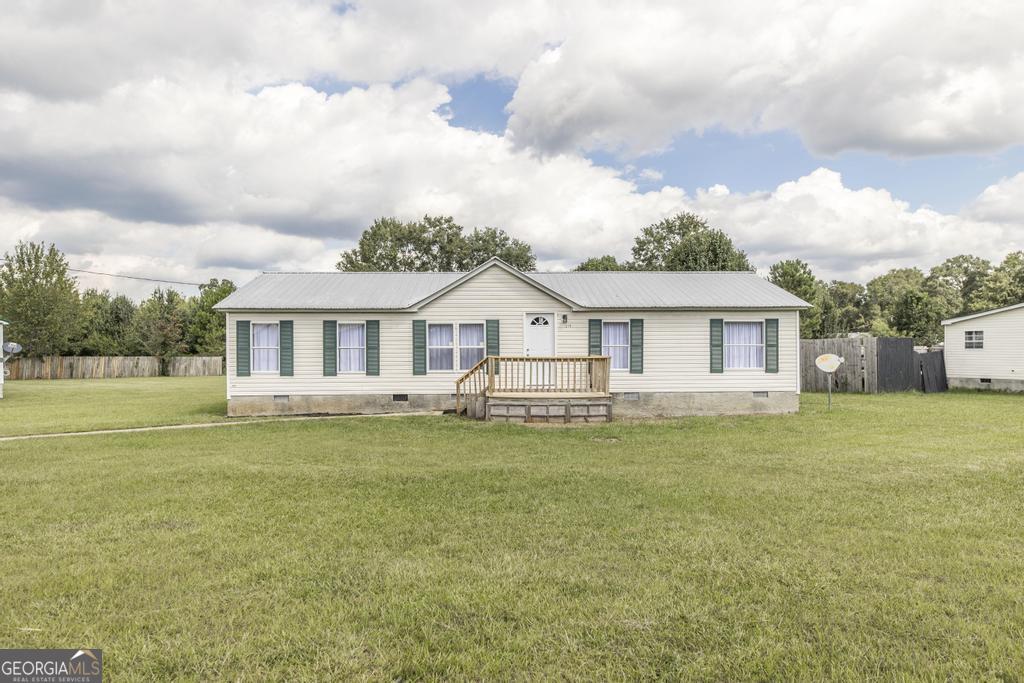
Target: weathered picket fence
109,367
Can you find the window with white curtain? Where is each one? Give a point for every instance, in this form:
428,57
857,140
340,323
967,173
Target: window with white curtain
974,339
351,347
440,346
266,347
744,346
471,344
615,343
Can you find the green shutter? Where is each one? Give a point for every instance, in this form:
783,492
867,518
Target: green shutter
373,347
493,338
330,348
716,345
595,337
636,346
242,352
287,348
419,347
493,329
771,345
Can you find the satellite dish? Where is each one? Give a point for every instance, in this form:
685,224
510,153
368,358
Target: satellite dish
829,362
12,347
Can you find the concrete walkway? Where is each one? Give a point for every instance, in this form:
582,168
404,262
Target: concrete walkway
209,425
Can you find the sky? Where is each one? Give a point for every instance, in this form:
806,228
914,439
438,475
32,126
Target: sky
189,140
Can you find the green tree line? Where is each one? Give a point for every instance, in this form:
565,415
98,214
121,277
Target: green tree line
48,315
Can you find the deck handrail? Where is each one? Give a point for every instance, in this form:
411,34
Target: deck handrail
580,375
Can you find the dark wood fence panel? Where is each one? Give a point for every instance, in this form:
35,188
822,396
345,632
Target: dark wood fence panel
897,367
109,367
933,371
857,374
872,365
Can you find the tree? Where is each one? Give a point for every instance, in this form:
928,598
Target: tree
159,325
39,299
652,246
686,242
435,243
795,277
104,325
485,243
604,263
885,290
959,279
707,250
1004,287
204,327
843,308
918,315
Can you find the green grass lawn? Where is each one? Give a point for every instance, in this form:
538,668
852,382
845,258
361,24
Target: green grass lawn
71,405
882,541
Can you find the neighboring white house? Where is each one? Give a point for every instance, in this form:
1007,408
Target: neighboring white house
679,343
3,324
986,350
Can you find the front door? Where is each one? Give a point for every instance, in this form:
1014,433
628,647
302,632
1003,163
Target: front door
539,337
539,340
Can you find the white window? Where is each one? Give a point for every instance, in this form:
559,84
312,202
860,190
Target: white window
471,344
351,347
266,347
440,346
974,339
615,343
744,346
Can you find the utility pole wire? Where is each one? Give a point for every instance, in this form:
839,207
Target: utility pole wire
132,277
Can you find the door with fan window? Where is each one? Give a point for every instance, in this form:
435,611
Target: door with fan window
539,340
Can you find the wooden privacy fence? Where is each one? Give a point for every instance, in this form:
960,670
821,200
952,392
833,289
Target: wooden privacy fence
195,366
873,365
109,367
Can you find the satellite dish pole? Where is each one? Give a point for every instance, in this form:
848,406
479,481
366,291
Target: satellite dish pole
829,363
9,349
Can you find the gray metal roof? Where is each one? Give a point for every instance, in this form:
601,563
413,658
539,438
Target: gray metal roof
637,289
336,291
607,290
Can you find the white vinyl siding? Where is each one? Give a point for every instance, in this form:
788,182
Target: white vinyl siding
266,347
676,344
743,345
352,347
1001,352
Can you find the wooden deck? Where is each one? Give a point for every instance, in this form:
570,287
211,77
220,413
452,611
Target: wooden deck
540,377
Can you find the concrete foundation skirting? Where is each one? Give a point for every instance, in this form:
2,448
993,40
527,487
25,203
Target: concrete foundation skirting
348,404
684,404
992,385
635,405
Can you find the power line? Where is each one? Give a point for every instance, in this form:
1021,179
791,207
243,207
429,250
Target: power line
132,277
137,277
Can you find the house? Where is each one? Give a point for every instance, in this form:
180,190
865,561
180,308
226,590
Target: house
518,345
986,350
3,324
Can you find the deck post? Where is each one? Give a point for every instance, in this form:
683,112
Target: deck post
490,374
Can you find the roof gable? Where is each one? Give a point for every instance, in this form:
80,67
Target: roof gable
982,314
495,262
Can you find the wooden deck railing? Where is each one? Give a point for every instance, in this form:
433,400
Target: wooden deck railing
575,375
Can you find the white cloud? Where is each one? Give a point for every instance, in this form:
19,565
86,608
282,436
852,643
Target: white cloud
852,234
184,145
914,77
